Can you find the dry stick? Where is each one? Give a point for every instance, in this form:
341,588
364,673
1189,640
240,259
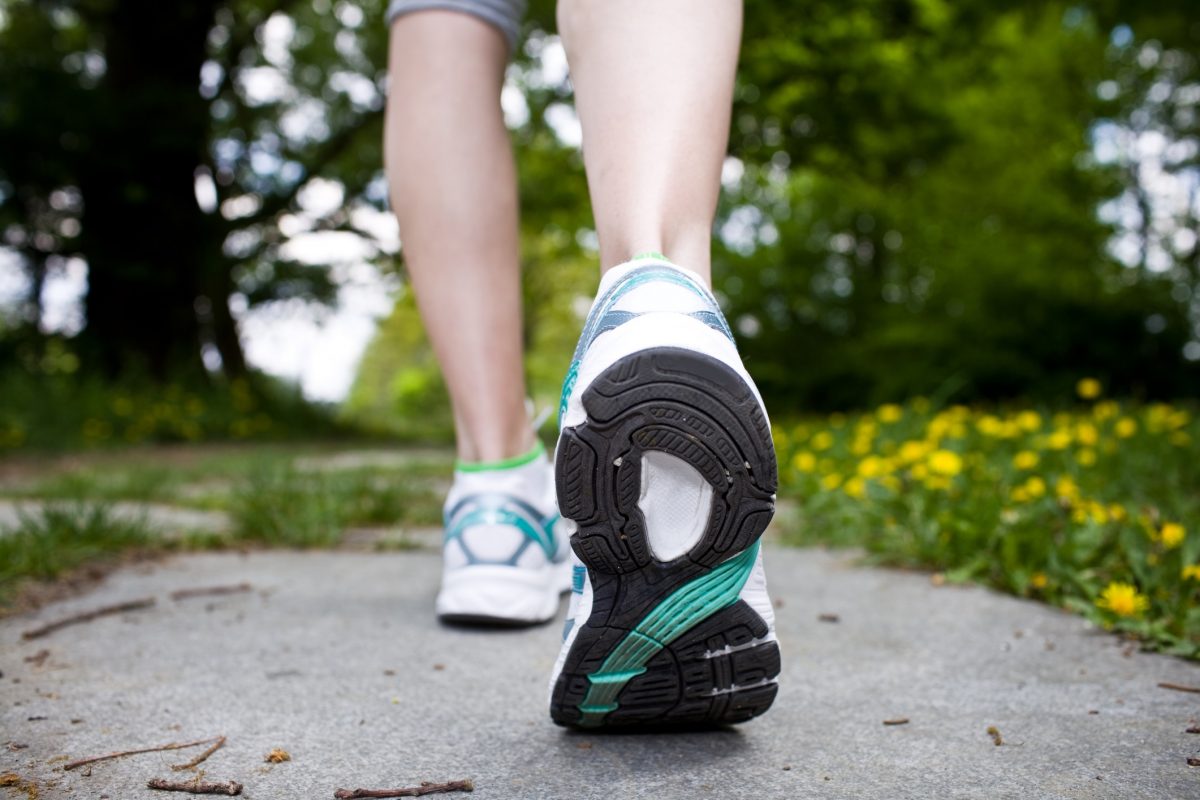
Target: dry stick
200,758
160,748
409,791
88,616
195,787
1179,687
210,591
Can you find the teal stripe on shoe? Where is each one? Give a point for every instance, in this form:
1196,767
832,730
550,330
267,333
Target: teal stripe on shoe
687,606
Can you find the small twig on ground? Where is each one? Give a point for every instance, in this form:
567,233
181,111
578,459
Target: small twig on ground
828,618
217,745
195,787
1193,729
88,616
38,658
160,748
1179,687
896,721
409,791
211,591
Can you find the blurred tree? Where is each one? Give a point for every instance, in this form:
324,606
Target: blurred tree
164,143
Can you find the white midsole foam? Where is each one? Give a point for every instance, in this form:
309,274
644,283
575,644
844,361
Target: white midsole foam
501,592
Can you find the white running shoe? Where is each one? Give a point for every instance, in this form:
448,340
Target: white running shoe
666,472
505,552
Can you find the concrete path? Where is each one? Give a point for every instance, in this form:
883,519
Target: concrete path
336,658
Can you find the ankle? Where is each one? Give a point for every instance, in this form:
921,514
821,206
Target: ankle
527,456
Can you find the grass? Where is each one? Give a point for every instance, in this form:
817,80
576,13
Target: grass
274,495
58,538
1094,508
312,509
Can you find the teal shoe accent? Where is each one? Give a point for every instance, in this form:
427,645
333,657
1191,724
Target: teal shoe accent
502,510
687,606
568,387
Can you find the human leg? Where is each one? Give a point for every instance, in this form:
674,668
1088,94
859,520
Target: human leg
453,190
453,187
665,465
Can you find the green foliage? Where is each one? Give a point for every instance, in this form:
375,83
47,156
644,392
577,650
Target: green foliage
918,210
59,538
312,509
1093,509
48,407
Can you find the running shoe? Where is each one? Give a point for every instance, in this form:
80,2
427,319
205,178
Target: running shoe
505,554
666,474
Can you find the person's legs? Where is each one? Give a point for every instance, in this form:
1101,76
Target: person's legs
453,189
653,88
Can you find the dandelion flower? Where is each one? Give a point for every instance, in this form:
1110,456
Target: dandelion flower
1026,459
1059,440
1191,572
1035,487
855,487
822,441
1125,427
1122,599
804,461
945,462
1038,580
1172,534
890,412
1086,457
1088,388
1029,421
831,481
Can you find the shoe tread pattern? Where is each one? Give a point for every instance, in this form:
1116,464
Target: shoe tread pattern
696,408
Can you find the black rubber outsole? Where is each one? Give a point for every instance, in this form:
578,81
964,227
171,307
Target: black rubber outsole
698,409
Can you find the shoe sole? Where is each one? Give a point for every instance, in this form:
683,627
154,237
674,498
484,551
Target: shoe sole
667,643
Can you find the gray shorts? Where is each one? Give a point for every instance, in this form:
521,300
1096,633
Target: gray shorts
504,14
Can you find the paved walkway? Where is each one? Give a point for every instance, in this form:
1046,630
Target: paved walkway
336,658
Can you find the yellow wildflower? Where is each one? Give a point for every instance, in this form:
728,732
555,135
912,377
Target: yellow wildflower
1086,434
1191,572
871,466
822,441
1026,459
1125,427
804,461
1105,410
1172,534
890,412
945,462
1066,488
1179,438
1122,599
855,487
1038,580
913,451
1035,487
1088,388
1086,457
831,481
1117,511
1029,421
1059,440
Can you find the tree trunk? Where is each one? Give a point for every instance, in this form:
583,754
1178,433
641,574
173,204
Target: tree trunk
144,237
